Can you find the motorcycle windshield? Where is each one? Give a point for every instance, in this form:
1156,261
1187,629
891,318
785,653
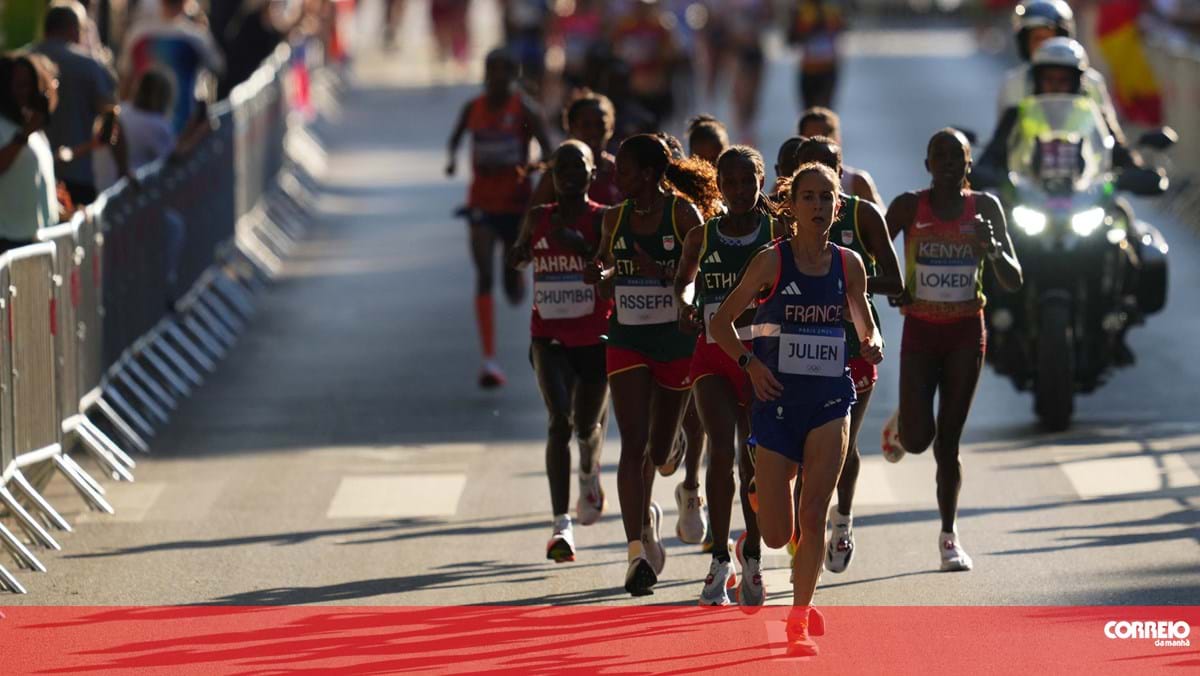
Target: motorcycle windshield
1060,143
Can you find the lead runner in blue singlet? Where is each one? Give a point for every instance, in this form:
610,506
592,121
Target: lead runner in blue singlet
798,367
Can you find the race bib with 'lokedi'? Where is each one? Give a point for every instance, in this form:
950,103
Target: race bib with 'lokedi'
946,282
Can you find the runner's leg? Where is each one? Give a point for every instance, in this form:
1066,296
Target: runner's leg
631,398
960,375
824,451
556,381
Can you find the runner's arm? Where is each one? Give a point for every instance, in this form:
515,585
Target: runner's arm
520,254
460,128
900,214
602,268
689,266
760,274
543,192
860,312
1002,259
537,127
874,232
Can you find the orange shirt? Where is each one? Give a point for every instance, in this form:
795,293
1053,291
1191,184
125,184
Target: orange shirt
499,155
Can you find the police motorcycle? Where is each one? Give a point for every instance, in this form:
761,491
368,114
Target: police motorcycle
1090,269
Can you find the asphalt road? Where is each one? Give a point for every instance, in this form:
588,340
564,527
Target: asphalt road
343,454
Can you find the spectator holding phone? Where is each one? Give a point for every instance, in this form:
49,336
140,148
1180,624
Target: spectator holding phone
28,191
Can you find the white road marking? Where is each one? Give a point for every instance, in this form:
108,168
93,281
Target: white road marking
1121,476
365,497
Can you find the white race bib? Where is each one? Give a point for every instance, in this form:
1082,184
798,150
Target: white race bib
641,302
743,332
563,297
946,283
815,352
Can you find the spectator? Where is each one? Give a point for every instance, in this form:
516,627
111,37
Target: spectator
180,46
86,89
28,193
144,126
247,31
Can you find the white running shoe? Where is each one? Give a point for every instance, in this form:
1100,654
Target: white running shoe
640,577
693,521
841,544
592,502
652,539
678,453
954,557
890,439
490,376
561,547
751,591
721,578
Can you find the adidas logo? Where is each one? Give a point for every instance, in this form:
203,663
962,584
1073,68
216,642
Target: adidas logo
542,244
792,289
713,259
620,245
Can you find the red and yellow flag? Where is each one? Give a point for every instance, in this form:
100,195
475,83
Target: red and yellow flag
1135,89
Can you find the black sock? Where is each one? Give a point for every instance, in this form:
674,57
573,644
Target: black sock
722,556
752,550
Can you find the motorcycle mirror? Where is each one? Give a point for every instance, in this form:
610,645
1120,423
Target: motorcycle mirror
1159,139
1143,182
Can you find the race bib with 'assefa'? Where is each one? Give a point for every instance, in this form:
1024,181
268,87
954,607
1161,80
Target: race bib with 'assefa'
948,282
563,296
644,301
813,351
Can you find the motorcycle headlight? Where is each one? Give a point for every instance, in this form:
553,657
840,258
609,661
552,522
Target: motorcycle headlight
1085,223
1033,222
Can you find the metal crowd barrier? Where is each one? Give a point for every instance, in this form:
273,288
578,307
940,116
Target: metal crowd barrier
114,317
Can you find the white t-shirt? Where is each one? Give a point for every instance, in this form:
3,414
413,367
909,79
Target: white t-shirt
148,137
28,191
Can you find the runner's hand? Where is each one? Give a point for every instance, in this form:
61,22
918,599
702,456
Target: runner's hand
519,256
901,300
592,274
766,386
451,167
985,236
689,320
871,350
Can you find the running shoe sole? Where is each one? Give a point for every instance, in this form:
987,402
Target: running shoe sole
560,551
678,452
643,580
491,381
737,593
731,583
656,517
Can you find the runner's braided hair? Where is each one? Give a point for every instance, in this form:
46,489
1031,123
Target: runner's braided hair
692,179
765,205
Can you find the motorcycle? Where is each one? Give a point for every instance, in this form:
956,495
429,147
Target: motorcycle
1091,270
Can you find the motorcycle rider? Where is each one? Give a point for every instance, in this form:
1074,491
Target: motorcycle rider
1060,66
1034,23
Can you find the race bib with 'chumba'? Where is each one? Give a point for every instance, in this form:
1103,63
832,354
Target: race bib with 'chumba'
563,296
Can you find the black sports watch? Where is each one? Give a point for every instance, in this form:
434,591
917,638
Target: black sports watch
744,360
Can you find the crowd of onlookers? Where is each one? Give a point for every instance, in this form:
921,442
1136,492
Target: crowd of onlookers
84,106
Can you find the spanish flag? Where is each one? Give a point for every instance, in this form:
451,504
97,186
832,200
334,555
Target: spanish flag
1135,88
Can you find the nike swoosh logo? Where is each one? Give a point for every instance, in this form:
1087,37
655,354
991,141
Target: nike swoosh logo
923,225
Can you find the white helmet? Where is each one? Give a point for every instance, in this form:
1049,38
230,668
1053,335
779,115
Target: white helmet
1062,53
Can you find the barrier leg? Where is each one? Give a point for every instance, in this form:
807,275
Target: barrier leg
20,552
10,583
216,305
201,311
83,483
206,339
95,442
30,524
153,388
191,349
127,412
235,294
259,255
174,360
40,503
124,379
173,379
